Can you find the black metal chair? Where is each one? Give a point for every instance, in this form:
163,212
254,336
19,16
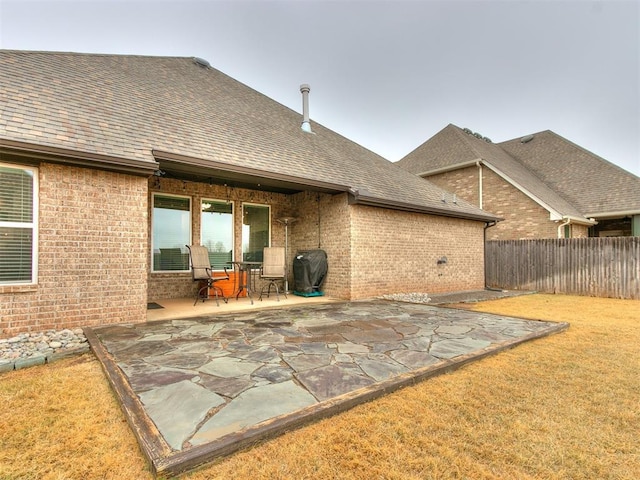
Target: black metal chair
201,272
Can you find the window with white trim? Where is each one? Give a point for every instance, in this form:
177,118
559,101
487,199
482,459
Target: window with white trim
256,231
18,224
171,227
216,231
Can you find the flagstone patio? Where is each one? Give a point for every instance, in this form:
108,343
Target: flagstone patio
198,388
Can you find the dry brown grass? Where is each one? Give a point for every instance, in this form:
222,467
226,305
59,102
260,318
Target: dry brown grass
563,407
61,421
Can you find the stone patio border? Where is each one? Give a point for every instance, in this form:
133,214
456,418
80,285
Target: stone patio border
166,462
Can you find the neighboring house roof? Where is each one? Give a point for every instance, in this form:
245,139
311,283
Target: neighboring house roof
591,183
136,111
546,167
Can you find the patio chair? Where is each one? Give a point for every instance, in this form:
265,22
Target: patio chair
201,272
273,270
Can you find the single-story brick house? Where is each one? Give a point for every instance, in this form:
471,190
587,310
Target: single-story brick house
110,165
543,185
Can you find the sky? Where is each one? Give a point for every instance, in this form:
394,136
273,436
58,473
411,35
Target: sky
388,74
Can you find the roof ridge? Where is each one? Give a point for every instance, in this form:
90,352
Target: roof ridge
94,54
463,135
520,137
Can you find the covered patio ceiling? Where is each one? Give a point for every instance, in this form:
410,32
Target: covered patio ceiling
193,169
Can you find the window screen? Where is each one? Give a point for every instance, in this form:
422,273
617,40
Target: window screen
171,232
217,232
17,188
256,231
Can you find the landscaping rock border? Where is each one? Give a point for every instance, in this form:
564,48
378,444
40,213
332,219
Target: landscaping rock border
29,349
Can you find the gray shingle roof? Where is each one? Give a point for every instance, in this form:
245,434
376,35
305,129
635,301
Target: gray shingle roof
128,106
548,167
444,149
588,181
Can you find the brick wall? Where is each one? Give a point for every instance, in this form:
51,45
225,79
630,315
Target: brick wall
180,284
94,248
523,218
92,253
462,182
324,222
373,251
396,252
579,231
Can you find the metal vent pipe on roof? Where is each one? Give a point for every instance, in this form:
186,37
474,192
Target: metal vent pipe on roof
305,89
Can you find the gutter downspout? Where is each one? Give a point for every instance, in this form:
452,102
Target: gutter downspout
561,226
480,185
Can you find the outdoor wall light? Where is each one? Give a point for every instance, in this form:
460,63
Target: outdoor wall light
442,260
156,178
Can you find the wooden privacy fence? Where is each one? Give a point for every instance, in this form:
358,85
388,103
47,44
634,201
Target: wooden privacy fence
600,267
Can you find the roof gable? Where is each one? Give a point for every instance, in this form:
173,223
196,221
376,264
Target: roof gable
444,149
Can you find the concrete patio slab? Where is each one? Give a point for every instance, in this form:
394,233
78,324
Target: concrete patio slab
198,388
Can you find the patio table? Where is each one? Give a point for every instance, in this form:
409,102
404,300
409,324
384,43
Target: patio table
244,277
